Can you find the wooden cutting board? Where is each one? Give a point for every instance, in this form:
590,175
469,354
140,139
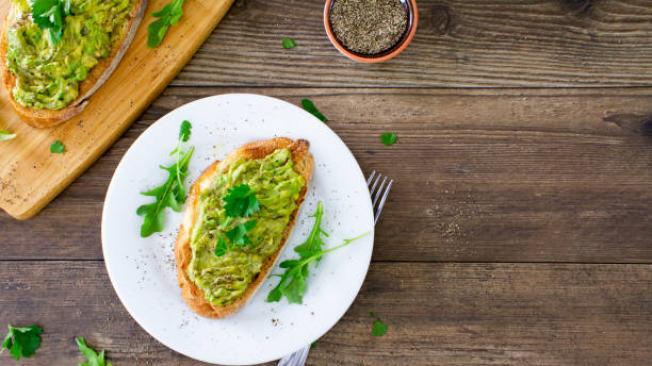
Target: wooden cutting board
30,176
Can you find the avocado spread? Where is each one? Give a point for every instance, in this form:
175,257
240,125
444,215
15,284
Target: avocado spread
277,187
48,73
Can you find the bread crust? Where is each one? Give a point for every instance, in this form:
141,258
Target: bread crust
193,295
98,75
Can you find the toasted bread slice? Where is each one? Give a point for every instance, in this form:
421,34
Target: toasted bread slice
192,294
98,75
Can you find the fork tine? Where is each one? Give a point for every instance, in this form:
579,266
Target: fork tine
382,201
372,190
379,192
371,176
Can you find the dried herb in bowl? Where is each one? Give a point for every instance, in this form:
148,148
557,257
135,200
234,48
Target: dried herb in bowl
369,26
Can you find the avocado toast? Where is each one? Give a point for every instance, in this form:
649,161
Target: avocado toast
50,78
278,171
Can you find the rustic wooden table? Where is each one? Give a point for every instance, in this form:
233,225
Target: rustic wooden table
519,231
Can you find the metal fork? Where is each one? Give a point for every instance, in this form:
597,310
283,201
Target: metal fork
378,192
379,187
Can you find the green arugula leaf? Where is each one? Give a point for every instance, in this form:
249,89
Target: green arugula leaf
6,135
240,201
314,243
171,193
288,43
185,130
294,281
92,358
238,235
309,106
221,247
378,328
388,138
22,341
168,16
57,147
50,14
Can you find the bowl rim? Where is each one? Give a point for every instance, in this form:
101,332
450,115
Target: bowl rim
390,54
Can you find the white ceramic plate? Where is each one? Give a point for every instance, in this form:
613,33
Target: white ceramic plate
143,271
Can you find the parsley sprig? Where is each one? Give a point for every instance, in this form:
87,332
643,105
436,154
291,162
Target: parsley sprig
50,14
294,281
168,16
92,358
22,341
172,193
238,235
221,247
239,201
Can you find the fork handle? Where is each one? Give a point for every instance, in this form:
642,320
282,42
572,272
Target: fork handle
297,358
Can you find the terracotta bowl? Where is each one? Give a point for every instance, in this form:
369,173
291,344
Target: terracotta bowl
413,19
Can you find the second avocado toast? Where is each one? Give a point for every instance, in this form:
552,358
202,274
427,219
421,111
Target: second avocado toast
51,66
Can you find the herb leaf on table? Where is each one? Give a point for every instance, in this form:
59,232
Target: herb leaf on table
310,107
6,135
92,357
388,138
170,194
57,147
293,283
378,328
288,43
22,341
168,16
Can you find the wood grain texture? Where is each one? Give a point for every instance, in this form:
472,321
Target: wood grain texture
438,314
481,175
461,43
556,180
30,176
534,43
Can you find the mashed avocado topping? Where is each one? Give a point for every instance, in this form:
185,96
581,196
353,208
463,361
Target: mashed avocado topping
276,185
48,73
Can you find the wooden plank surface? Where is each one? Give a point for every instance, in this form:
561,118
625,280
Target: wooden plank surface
481,175
533,43
545,43
456,314
30,176
519,229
